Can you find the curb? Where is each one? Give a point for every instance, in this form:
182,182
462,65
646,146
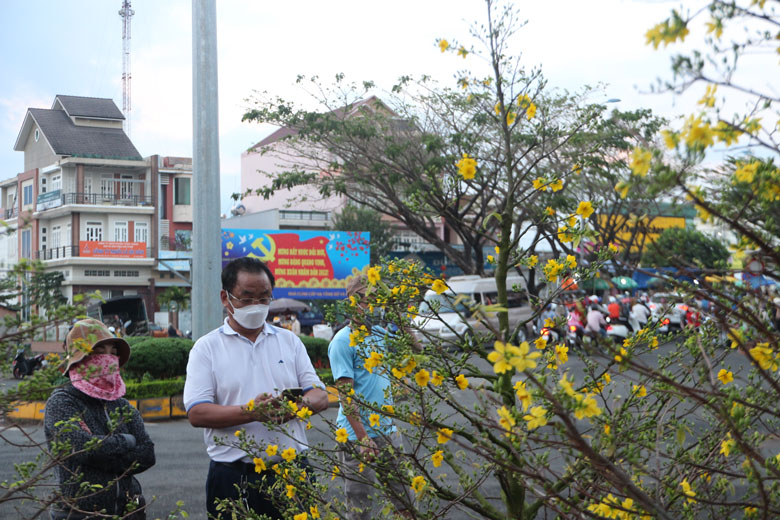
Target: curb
151,409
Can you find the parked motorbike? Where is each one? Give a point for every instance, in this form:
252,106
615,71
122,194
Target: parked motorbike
25,367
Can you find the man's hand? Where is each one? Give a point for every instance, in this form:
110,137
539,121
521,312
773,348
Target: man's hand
269,409
367,448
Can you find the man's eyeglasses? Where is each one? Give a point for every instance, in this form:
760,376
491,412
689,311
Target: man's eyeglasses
252,301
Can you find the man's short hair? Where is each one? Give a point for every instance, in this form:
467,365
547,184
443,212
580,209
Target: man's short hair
247,264
356,285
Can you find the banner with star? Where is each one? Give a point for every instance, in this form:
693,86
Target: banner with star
306,264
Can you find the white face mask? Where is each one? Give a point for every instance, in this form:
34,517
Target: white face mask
251,317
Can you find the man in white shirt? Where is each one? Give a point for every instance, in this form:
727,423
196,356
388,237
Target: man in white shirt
246,360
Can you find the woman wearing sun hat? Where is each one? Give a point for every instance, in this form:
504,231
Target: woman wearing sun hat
108,443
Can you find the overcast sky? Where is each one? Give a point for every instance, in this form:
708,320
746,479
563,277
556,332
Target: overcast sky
74,47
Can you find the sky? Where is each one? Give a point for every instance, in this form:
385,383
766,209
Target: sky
51,47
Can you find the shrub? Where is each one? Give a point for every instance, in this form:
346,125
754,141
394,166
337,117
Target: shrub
325,375
317,349
161,358
160,388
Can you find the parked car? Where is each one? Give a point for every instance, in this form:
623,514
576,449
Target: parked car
453,314
668,306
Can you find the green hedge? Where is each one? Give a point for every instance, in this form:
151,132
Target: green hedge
160,358
325,375
317,349
163,388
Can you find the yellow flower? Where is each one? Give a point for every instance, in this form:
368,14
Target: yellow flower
727,445
373,275
549,211
577,169
304,413
640,161
497,109
500,356
237,433
436,378
422,377
670,139
342,435
335,473
523,395
250,405
607,377
750,511
464,83
288,454
540,343
622,187
467,167
571,261
444,45
537,418
561,353
418,484
567,386
490,259
763,355
510,118
506,420
639,390
301,516
373,420
259,465
557,185
572,221
437,458
271,449
439,286
716,26
461,381
315,512
539,184
533,260
388,408
585,209
587,407
291,494
530,112
553,269
725,376
686,487
735,335
462,52
747,172
698,134
373,361
708,100
443,435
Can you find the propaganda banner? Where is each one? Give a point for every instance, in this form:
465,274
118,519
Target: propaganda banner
306,264
102,249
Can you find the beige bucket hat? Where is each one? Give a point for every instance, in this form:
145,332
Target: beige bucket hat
88,334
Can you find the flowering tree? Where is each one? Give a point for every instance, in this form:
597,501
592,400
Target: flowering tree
654,427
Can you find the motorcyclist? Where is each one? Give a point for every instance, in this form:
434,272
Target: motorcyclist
596,322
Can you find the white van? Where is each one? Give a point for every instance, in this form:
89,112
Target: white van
448,316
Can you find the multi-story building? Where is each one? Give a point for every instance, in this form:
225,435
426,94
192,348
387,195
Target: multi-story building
86,204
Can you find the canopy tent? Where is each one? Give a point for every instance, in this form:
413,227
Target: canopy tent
624,282
594,284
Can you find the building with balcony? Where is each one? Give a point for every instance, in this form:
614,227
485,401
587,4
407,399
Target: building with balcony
87,202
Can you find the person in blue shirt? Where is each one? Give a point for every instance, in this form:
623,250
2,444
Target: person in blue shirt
376,442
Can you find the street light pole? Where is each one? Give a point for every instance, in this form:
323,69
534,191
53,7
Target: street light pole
207,243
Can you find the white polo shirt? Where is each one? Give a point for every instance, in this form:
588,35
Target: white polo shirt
226,368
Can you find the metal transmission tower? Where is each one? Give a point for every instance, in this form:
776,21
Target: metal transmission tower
126,13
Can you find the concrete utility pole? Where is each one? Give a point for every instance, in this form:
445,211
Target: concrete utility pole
207,242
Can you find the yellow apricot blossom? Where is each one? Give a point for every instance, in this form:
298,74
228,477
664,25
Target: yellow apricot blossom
523,395
725,376
727,445
640,161
418,484
585,209
341,435
467,167
708,100
461,381
373,275
437,458
439,286
506,420
443,435
422,377
444,45
536,418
